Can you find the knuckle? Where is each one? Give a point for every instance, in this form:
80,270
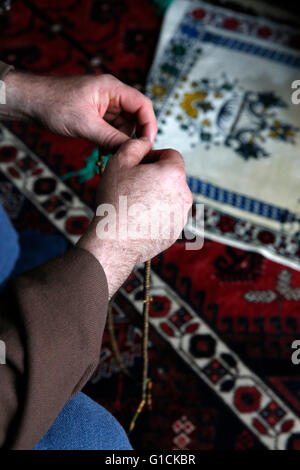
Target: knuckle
146,99
175,177
170,152
148,102
178,173
108,80
134,146
176,156
179,159
129,147
109,76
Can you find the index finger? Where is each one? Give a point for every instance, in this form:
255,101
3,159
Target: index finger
133,101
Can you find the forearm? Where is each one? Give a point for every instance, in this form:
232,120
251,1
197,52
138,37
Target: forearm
22,93
29,96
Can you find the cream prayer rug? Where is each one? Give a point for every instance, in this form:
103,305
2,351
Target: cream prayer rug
221,84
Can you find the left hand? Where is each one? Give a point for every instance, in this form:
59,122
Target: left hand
98,108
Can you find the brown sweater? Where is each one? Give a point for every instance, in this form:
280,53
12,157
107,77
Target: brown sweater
52,320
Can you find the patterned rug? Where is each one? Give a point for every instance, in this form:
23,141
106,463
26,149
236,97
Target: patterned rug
222,87
222,320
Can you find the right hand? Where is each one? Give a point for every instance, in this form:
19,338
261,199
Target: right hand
153,179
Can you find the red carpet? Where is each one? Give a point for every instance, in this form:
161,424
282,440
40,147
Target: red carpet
223,320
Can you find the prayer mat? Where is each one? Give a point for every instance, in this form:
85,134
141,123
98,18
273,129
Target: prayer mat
222,320
222,85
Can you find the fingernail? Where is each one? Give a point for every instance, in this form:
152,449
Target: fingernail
152,137
144,139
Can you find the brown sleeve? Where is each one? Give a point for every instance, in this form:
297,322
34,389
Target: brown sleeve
52,320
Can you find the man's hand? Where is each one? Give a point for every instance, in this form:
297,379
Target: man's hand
156,182
98,108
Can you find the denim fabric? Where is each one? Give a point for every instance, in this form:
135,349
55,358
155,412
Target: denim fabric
9,247
38,248
84,425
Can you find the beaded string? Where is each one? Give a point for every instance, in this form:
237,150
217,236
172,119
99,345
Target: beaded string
146,382
146,398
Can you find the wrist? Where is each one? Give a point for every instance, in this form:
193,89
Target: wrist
114,256
22,96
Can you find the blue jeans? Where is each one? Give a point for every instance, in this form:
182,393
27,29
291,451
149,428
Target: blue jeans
82,424
9,247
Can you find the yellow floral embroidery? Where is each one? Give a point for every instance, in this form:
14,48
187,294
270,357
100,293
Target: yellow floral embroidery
188,103
280,130
158,90
273,134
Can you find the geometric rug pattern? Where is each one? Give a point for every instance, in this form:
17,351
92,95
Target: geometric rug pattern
222,319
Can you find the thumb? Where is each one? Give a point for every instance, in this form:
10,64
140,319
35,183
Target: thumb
132,152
